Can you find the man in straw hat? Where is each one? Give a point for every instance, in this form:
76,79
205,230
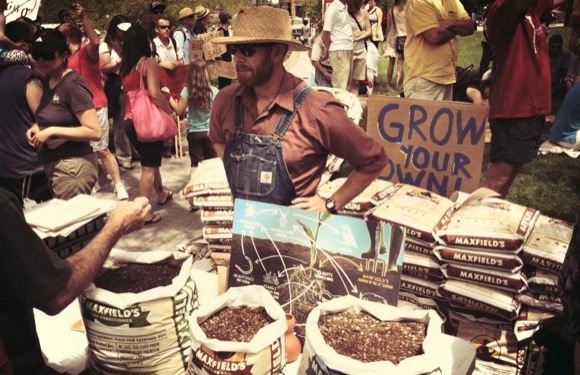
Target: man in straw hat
276,139
184,32
202,14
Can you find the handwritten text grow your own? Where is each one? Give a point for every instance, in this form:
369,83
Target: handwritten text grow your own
433,145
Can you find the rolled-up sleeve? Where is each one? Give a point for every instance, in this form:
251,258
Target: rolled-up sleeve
345,139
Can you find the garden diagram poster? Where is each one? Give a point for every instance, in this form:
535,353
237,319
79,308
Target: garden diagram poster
305,257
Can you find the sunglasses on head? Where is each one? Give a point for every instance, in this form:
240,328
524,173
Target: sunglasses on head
163,27
248,49
46,56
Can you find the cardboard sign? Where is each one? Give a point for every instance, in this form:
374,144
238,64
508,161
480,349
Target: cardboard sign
22,8
196,49
305,257
434,145
222,68
210,50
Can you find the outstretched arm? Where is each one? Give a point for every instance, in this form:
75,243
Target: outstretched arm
87,263
93,46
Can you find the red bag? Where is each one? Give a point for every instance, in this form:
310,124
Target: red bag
151,122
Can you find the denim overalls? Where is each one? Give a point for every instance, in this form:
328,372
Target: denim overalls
255,164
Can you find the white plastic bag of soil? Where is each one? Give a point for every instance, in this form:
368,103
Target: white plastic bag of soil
141,333
265,354
440,351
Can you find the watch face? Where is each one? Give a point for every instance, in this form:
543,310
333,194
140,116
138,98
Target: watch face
330,205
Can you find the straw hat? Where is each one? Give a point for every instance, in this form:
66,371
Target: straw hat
201,12
262,24
185,12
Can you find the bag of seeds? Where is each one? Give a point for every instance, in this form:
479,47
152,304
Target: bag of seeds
417,210
547,244
487,222
240,332
136,313
362,203
354,336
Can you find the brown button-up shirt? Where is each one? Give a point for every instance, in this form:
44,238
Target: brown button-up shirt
320,127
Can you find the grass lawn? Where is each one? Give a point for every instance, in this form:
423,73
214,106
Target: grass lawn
550,183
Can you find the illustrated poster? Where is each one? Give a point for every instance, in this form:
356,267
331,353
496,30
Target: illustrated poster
305,257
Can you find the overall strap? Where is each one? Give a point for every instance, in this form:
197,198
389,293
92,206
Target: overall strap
286,119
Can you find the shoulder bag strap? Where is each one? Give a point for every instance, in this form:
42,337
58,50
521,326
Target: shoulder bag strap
358,24
141,75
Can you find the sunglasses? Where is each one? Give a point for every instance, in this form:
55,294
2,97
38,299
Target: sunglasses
248,50
555,47
48,56
157,12
163,27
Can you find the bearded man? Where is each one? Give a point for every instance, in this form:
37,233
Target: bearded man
276,138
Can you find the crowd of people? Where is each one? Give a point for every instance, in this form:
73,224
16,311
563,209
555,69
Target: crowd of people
272,130
520,98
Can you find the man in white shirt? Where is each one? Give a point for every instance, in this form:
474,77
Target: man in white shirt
338,42
169,54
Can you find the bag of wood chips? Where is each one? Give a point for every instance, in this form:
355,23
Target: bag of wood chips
411,339
262,352
140,332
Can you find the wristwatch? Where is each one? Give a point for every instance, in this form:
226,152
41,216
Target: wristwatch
331,206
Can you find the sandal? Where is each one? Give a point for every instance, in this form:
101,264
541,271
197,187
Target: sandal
168,197
154,219
126,165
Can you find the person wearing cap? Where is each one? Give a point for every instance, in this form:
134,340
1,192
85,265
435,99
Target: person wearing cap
85,60
20,170
225,23
276,140
202,14
156,10
66,120
184,32
111,52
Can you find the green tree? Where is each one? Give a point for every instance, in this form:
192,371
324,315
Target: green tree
100,12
